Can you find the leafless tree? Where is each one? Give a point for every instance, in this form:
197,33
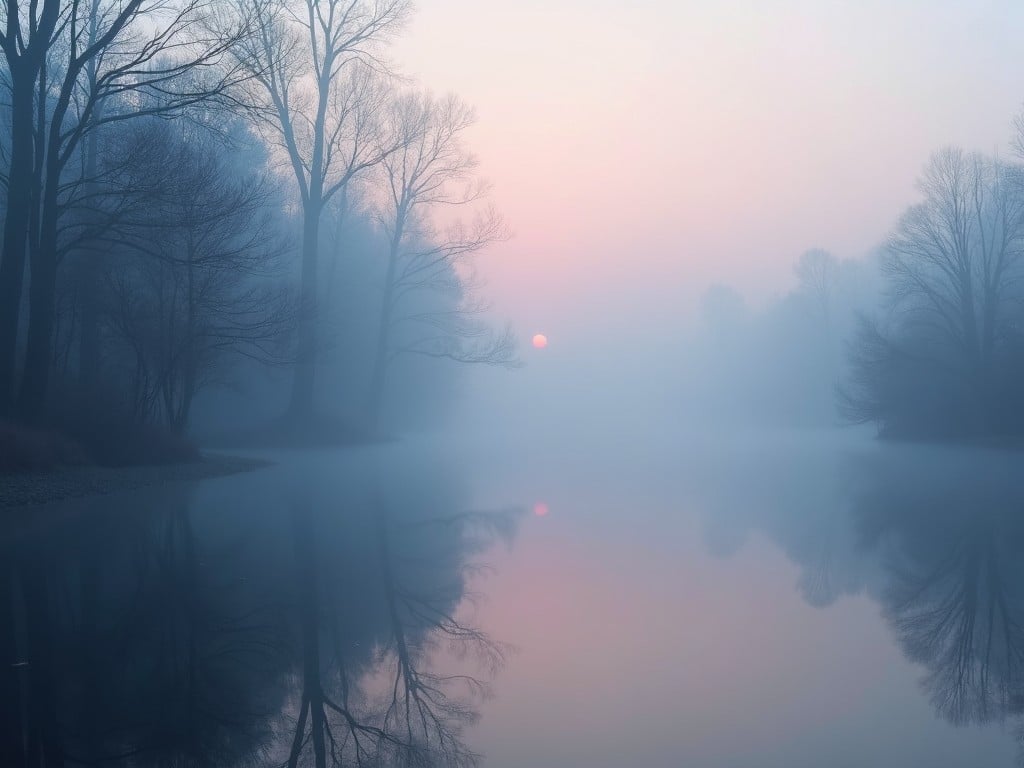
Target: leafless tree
816,272
317,92
943,360
105,62
955,259
28,33
188,293
430,170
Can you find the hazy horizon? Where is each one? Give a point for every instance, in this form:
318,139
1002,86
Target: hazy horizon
642,154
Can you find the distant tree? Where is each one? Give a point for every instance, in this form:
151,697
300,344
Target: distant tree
779,363
817,272
722,310
431,169
955,258
948,359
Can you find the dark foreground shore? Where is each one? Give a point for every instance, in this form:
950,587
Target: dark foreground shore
29,488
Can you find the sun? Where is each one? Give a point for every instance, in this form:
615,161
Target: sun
540,341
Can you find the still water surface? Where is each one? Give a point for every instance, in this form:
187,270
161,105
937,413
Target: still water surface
771,600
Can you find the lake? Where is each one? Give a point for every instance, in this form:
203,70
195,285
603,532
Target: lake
759,599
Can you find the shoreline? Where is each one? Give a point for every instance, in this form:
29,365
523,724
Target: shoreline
45,487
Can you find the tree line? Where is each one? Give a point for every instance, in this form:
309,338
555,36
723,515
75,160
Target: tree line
923,338
944,358
186,183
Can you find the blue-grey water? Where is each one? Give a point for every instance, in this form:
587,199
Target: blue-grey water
773,599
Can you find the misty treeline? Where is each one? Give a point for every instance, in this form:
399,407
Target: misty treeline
924,339
203,193
778,365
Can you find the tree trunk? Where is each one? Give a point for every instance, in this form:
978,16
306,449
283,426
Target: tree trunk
303,381
303,384
380,363
42,295
88,330
189,355
377,383
89,279
19,205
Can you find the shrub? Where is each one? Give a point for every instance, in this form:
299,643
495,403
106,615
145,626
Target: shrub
23,449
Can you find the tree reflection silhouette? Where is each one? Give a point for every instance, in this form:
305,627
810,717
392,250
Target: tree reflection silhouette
127,648
161,635
427,707
951,534
371,691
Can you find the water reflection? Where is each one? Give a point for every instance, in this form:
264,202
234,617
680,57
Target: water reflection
933,536
328,630
950,539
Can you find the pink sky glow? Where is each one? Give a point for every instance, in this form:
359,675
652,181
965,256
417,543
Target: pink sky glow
642,151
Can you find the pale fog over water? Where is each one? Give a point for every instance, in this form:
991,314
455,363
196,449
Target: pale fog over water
771,599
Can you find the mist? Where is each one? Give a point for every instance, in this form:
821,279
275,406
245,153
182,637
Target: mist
456,385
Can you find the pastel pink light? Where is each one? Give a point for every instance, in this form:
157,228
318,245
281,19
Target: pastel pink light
649,153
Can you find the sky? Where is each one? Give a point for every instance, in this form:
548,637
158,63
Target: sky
642,151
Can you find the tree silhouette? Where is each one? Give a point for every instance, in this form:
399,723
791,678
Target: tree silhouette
953,542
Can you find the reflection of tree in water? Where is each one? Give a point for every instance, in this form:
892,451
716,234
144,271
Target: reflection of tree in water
952,539
211,644
126,649
371,694
790,495
167,638
935,535
428,707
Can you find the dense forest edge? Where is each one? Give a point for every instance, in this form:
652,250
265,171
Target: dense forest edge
923,338
239,209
